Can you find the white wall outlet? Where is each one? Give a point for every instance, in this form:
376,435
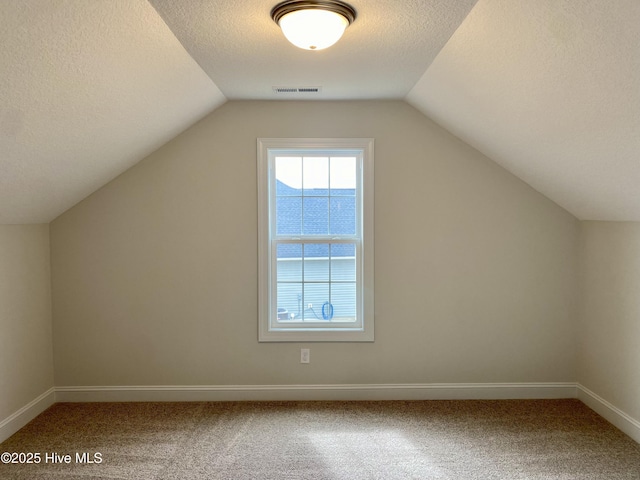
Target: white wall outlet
305,355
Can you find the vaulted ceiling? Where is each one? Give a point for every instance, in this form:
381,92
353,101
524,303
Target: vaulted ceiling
549,89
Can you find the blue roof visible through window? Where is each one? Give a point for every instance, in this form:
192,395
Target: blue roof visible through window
315,212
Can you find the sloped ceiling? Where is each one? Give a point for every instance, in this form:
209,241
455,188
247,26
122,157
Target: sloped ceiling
87,89
550,89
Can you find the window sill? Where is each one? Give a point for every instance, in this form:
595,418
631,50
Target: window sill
315,335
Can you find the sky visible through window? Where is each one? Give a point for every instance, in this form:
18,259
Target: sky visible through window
317,172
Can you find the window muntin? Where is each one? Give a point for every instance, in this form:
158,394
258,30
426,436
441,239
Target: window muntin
316,269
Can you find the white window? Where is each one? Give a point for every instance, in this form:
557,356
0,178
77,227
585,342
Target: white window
315,214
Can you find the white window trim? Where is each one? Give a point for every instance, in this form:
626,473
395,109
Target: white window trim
265,332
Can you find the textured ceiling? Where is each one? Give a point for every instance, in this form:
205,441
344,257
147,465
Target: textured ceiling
381,55
87,89
549,89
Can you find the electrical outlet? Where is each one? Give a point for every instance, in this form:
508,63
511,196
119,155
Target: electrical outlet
305,355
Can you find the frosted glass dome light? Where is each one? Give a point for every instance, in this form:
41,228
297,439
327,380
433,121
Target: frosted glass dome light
313,25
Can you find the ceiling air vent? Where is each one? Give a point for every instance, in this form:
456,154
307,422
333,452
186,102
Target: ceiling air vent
297,89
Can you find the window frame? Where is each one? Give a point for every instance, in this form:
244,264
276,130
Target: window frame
268,328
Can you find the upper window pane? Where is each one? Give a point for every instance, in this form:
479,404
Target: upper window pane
342,176
316,215
289,215
343,216
288,175
328,187
315,175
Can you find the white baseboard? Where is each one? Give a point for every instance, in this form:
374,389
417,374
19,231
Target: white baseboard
19,419
624,422
446,391
214,393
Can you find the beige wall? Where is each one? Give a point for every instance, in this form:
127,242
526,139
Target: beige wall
26,359
154,276
609,353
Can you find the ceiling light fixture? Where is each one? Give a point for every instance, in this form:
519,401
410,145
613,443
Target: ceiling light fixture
313,25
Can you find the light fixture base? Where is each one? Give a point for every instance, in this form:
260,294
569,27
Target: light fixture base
336,6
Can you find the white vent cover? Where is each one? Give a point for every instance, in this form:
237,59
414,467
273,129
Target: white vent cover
297,89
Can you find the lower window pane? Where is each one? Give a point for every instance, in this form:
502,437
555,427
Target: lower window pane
316,283
316,262
343,263
289,301
289,265
343,299
315,295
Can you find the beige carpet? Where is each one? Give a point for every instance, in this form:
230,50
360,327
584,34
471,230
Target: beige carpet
457,440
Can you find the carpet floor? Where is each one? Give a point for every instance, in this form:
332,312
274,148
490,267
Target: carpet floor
453,440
